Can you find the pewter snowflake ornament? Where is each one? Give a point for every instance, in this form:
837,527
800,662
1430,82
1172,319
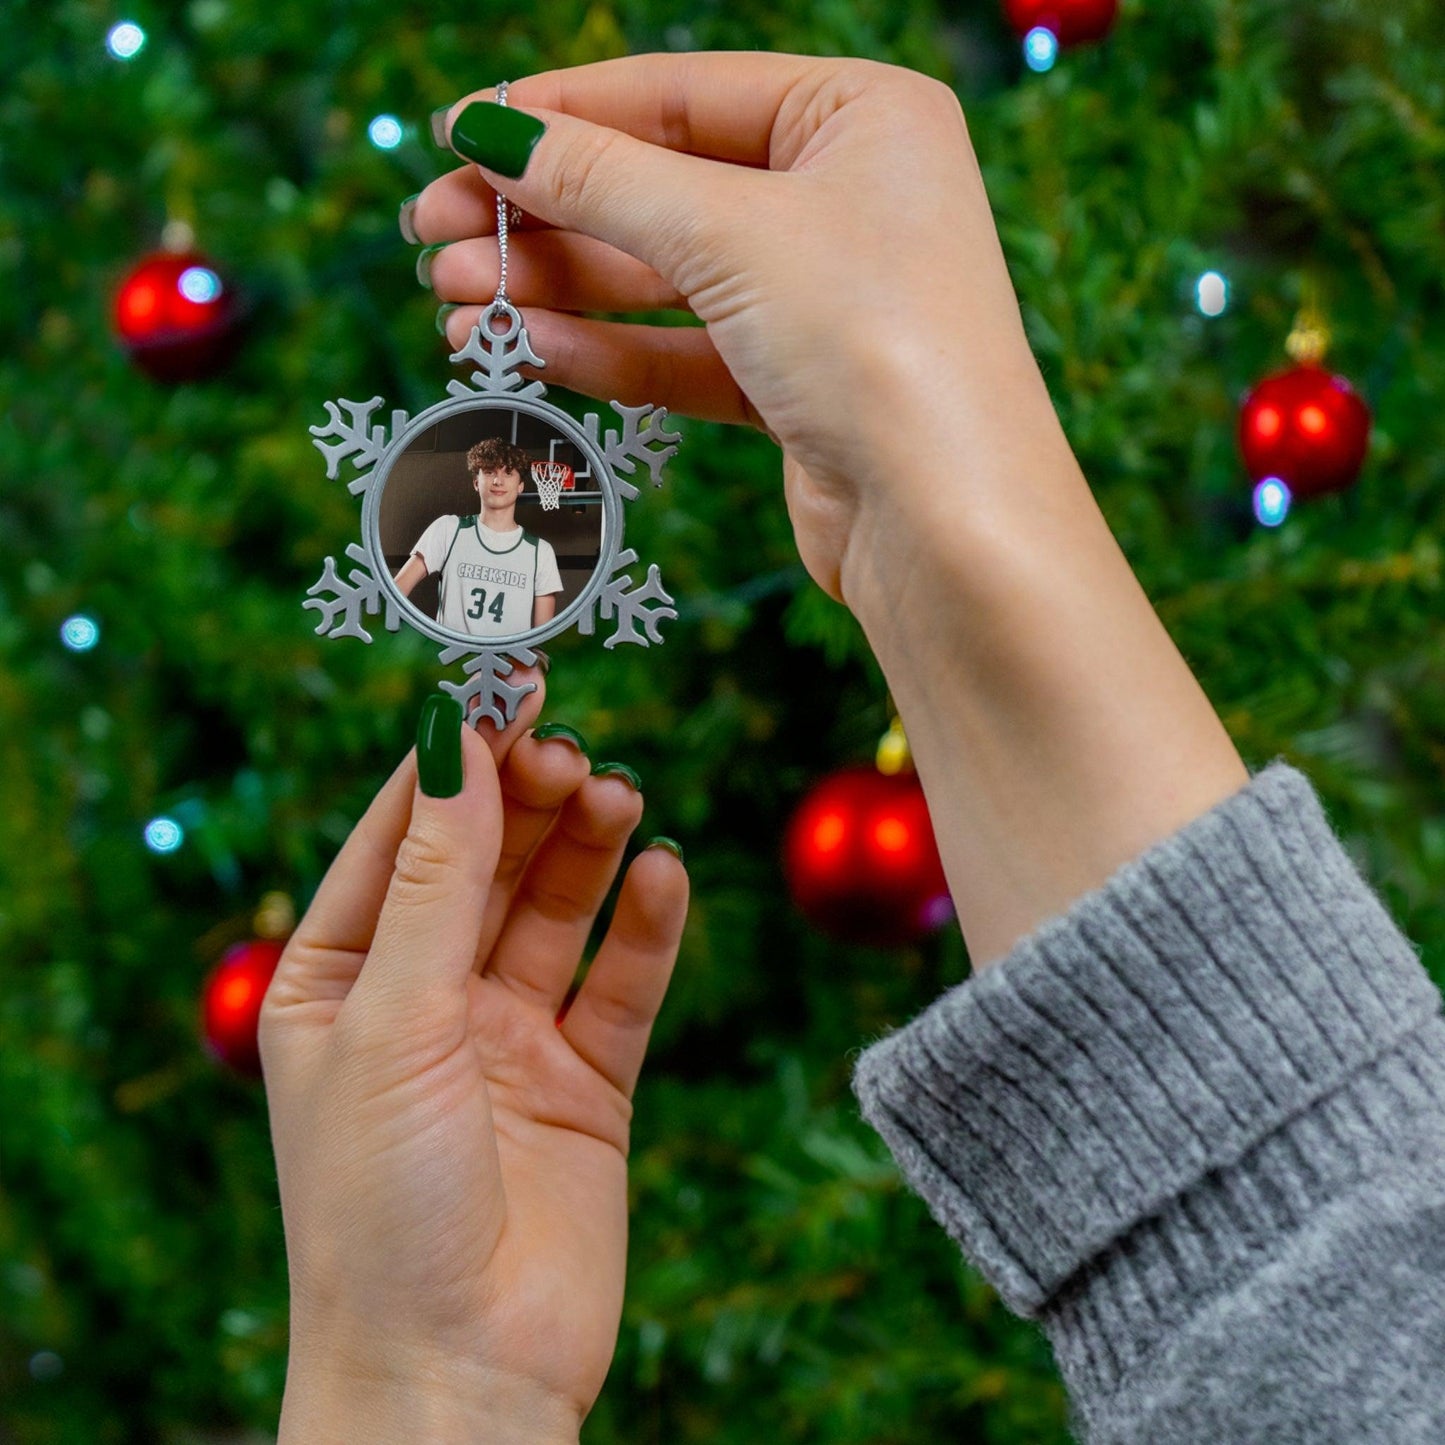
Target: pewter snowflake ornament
519,568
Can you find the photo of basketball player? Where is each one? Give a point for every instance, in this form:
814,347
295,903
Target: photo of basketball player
495,579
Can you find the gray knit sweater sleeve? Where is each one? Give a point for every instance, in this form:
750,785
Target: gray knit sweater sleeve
1196,1127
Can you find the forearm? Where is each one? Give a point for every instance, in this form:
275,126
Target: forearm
1057,730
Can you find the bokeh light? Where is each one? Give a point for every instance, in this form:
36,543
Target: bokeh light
79,633
46,1365
164,835
829,832
1271,502
126,40
199,284
1041,48
1211,294
385,132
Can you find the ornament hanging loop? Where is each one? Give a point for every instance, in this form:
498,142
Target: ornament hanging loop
510,316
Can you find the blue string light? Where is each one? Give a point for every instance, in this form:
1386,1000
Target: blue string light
125,40
164,835
79,633
1271,502
385,132
1041,48
199,284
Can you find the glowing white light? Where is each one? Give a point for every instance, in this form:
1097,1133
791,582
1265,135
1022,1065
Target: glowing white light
164,835
199,283
79,633
1041,48
1211,293
125,40
385,132
1271,502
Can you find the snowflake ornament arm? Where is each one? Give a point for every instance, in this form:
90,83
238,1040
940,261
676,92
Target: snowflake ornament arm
630,605
643,438
363,443
361,594
497,364
484,694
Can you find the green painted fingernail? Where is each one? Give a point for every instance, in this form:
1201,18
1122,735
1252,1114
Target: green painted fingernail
617,770
561,730
671,844
439,126
443,312
404,220
439,747
424,260
496,136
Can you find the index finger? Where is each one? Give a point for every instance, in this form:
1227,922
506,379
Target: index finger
750,110
721,105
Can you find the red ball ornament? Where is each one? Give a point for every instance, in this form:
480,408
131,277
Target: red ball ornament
231,1003
1308,428
176,317
861,860
1071,22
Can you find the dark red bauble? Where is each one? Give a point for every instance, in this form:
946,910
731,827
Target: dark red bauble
1308,428
861,861
1073,22
231,1003
175,316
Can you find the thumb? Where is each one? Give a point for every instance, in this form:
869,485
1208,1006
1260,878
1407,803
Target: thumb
426,934
656,204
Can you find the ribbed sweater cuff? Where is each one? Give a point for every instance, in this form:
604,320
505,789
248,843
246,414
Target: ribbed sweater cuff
1225,982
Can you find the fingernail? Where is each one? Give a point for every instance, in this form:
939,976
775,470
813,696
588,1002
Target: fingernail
439,747
617,770
404,220
423,263
561,730
671,844
439,126
443,312
496,136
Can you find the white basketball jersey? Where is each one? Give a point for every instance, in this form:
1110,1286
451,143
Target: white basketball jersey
483,592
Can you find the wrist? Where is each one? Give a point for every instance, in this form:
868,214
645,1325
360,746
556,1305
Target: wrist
961,469
420,1396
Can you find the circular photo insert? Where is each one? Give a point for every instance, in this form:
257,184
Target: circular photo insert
465,537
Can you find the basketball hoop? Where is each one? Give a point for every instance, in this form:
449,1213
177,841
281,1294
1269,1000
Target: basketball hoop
551,478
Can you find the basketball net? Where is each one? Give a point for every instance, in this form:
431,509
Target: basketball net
550,478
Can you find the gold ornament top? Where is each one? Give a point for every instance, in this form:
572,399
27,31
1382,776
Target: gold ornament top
893,755
275,917
1310,339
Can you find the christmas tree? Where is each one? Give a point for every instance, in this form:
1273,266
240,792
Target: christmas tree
180,743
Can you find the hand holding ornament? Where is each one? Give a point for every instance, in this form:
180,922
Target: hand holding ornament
452,1156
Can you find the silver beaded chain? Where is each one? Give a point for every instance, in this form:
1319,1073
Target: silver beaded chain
503,208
